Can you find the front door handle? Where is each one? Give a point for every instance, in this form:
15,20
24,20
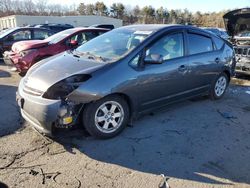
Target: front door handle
182,68
217,60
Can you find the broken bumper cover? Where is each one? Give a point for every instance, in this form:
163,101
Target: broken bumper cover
41,113
6,58
14,59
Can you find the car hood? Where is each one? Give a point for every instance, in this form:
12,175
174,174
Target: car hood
54,69
26,45
237,21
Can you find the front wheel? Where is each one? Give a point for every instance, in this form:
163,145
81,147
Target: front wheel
219,86
106,117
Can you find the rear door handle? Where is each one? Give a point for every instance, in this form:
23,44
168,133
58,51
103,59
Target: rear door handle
217,60
182,68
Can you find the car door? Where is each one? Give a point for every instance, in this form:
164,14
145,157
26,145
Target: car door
160,84
204,61
19,35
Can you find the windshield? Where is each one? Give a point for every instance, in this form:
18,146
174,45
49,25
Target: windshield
5,32
59,36
112,45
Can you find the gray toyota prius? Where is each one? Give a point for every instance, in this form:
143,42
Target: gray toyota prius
116,77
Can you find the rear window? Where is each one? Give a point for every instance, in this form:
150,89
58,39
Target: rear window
199,44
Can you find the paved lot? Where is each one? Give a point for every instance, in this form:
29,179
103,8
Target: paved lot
196,143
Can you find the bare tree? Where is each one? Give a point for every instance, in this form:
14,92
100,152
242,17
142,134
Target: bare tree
6,7
128,14
28,7
41,6
90,9
81,8
100,8
55,10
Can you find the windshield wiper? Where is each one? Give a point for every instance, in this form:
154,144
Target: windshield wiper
90,56
73,52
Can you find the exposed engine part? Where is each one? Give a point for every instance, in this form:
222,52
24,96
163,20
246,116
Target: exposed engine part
68,114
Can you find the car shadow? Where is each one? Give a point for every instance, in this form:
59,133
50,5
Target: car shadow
180,141
10,119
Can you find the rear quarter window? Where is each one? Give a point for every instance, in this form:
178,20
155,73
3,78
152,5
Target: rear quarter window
199,44
218,43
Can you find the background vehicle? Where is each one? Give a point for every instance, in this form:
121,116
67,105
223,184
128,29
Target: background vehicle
26,53
10,36
122,74
107,26
55,27
237,23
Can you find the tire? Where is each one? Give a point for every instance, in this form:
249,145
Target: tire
103,122
219,87
22,74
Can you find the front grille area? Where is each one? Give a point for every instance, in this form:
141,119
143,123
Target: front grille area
242,51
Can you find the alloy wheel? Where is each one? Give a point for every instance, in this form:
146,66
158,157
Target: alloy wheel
220,86
109,117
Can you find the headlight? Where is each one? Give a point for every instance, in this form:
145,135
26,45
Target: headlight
62,89
26,52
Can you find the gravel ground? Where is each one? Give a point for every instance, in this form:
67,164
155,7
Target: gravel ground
196,143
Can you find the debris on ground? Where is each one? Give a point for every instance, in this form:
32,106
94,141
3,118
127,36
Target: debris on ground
163,183
227,115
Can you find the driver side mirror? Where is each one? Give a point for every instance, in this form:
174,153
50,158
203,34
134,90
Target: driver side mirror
153,59
73,43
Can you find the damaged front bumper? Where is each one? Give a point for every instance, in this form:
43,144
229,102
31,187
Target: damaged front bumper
21,63
6,58
45,114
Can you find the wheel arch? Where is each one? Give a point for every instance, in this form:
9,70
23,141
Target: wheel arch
227,72
129,101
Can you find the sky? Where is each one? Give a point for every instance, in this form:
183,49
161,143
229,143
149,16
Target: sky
192,5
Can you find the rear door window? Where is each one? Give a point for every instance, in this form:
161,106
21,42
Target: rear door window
40,34
169,47
199,44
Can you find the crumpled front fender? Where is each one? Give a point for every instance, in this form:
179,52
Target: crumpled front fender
80,96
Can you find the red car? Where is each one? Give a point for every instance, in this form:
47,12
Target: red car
26,53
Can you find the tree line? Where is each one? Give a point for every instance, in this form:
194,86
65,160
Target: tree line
129,15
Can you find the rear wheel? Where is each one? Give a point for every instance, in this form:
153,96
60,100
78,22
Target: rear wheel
107,117
219,86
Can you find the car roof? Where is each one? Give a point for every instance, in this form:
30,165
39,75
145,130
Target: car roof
88,28
158,27
36,28
55,24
